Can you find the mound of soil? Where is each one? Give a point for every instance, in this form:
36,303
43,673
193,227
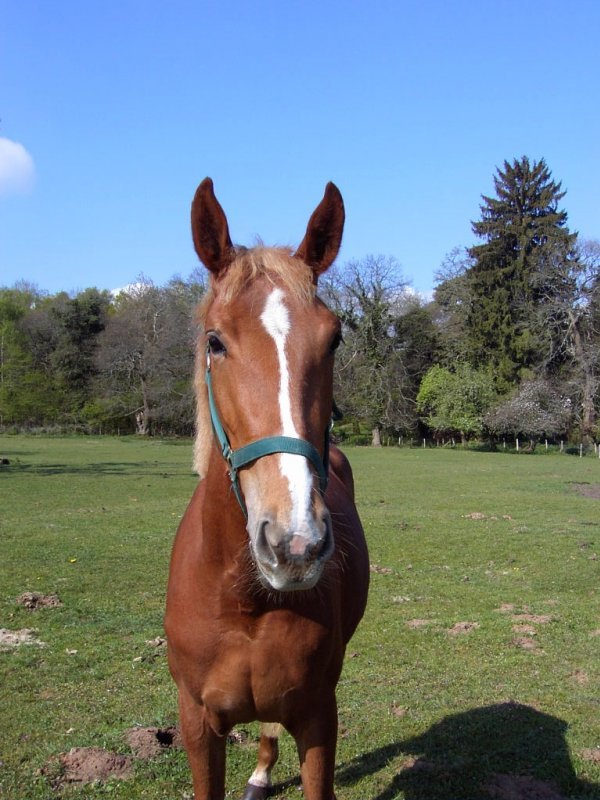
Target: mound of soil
525,643
35,600
588,489
591,754
538,619
151,742
516,787
462,627
89,764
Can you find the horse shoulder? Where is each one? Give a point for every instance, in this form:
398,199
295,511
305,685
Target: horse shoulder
342,469
352,556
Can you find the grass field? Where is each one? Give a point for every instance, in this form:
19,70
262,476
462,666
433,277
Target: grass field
475,673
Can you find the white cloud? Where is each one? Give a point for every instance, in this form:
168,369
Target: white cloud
17,170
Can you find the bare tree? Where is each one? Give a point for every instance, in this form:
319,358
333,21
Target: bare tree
146,356
569,323
535,410
378,367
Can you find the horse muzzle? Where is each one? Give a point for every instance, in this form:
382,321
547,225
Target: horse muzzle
291,561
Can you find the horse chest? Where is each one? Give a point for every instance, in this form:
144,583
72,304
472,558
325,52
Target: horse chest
260,670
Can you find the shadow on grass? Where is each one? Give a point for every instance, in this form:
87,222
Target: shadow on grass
131,468
507,751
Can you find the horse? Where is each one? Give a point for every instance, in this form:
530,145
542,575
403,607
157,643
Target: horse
269,570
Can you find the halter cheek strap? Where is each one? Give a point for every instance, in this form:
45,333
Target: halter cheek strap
262,447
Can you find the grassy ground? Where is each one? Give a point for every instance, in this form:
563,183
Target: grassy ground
448,692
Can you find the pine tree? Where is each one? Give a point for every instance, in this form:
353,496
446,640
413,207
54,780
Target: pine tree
519,226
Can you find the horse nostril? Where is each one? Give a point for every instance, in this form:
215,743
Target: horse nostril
263,547
322,547
326,544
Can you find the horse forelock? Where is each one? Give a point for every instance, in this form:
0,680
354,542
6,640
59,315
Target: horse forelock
277,264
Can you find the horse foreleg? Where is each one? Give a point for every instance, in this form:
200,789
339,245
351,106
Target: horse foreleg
205,749
259,785
316,739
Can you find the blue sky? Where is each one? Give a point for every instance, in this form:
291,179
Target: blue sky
112,112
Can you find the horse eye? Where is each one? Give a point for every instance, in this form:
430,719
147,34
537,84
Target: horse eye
215,345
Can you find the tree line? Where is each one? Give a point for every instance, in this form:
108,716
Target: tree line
509,345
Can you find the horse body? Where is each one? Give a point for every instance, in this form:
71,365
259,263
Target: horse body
262,599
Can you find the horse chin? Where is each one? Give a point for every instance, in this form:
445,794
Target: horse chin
284,580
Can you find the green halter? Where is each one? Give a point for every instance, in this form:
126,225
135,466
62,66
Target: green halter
262,447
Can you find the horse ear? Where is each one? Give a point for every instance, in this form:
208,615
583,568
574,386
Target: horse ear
323,236
210,229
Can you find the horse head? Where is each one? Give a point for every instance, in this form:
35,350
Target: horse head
265,369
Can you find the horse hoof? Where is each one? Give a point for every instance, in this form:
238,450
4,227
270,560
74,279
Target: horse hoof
253,792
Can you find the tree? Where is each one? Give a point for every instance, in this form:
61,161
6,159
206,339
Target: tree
569,314
452,301
79,321
145,358
377,366
454,402
536,410
26,395
519,227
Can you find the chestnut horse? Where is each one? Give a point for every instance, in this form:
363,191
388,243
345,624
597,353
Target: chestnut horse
269,572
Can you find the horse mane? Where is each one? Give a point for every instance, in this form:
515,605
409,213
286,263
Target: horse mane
279,266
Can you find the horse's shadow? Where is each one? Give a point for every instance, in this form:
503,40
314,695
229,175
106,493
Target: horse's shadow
507,751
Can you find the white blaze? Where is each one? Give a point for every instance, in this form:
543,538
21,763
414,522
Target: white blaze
276,321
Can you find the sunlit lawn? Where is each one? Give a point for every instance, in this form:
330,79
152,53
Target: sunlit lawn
446,686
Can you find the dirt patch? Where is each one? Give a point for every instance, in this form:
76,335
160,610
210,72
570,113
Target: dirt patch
580,676
159,641
525,643
588,489
89,764
380,570
516,787
506,608
591,754
525,629
35,600
462,627
537,619
414,764
11,639
239,736
151,742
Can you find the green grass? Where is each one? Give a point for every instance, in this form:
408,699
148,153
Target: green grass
424,715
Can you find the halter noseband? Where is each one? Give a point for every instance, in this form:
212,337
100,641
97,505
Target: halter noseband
262,447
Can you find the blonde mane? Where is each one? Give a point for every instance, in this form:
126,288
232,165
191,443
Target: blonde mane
282,268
